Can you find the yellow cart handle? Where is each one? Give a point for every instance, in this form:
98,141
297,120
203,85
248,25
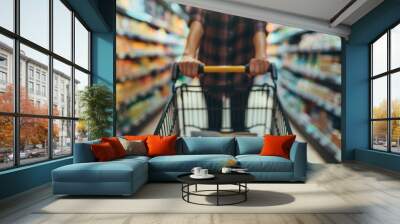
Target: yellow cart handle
224,69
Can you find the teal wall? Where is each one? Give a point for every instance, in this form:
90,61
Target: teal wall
99,16
356,86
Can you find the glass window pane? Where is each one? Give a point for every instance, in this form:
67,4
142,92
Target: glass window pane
81,82
6,74
34,96
7,14
379,97
81,131
395,94
35,21
62,89
395,47
395,135
33,139
81,45
62,138
62,29
379,135
6,142
379,55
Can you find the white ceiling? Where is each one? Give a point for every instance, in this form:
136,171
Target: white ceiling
316,15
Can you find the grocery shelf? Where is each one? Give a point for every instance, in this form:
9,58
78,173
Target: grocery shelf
137,55
141,74
144,94
147,18
308,129
276,37
293,49
152,39
139,123
327,106
333,81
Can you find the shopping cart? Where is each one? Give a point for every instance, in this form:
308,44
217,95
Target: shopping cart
185,113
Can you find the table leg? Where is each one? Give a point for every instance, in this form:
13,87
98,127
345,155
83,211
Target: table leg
217,194
195,188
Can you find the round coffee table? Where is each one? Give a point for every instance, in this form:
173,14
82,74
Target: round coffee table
238,179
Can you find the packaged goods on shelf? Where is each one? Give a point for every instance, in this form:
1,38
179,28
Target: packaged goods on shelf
130,91
307,89
140,30
309,79
128,69
150,36
129,121
315,122
131,49
156,14
315,66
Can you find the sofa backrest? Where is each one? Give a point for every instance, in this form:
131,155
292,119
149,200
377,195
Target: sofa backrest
249,145
206,145
83,152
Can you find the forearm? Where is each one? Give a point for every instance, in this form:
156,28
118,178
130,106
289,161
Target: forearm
193,39
260,45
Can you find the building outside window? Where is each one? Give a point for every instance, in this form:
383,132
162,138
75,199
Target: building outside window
57,128
385,91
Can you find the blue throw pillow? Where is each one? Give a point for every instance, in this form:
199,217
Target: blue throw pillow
208,145
249,145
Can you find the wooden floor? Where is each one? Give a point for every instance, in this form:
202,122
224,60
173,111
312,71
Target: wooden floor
378,189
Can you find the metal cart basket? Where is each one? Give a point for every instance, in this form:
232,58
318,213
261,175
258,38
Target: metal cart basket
185,113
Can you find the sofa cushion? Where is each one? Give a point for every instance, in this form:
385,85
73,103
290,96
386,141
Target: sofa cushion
103,152
112,171
207,145
185,163
248,145
83,152
275,145
257,163
116,145
161,145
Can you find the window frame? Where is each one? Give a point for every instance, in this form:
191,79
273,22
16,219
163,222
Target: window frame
388,74
16,115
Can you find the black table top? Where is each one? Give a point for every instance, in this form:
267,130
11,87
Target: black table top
220,178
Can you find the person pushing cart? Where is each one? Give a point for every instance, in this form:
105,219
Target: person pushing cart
221,39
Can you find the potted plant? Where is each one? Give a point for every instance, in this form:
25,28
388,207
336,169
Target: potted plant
96,103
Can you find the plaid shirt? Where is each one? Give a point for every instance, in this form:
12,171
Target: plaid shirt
227,40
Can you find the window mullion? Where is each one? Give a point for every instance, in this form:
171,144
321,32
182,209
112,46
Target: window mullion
50,81
73,82
389,104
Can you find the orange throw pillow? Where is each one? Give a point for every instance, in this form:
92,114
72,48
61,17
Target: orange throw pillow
116,145
161,145
277,145
103,152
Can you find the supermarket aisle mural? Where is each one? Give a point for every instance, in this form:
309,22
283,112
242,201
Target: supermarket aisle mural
151,36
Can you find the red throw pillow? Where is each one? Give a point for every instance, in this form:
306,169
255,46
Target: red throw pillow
116,145
277,145
161,145
103,152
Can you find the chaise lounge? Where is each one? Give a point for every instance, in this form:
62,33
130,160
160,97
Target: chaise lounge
125,176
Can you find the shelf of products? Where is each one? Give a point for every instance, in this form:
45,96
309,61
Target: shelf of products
309,83
133,49
150,36
158,14
137,30
316,123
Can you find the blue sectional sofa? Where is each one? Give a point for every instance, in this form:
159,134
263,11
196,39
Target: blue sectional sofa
125,176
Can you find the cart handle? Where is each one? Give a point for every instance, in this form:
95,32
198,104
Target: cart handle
224,69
